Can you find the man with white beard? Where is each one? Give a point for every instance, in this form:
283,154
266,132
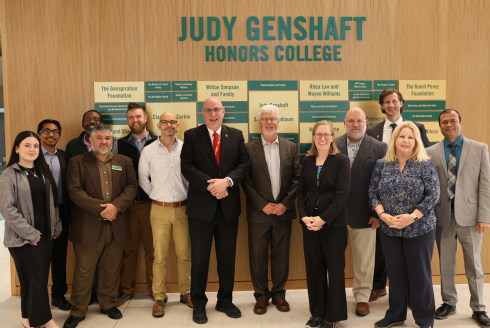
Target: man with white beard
363,152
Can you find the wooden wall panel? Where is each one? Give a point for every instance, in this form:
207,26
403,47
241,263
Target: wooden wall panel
54,50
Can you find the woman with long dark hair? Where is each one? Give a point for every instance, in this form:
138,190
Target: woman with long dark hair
29,204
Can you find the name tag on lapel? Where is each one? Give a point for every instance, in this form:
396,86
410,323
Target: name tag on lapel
116,168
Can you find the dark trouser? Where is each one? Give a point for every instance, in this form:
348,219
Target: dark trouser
325,253
201,234
58,261
32,264
109,254
408,261
279,233
380,273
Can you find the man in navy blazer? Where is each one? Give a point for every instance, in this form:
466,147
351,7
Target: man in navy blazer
363,152
391,101
214,160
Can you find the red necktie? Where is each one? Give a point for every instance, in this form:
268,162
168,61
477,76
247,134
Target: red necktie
217,146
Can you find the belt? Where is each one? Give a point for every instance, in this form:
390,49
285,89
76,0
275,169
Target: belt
174,204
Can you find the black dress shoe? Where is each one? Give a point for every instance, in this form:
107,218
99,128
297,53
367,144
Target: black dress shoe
93,298
481,318
60,302
199,315
444,311
72,321
229,308
112,313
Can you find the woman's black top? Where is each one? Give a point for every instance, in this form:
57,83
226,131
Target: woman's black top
38,195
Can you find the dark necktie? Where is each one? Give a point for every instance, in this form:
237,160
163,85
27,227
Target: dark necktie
217,146
451,172
393,127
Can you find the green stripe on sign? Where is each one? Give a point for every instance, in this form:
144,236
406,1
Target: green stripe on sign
315,117
184,85
323,106
229,118
115,119
361,95
230,106
157,96
360,85
421,116
425,105
272,85
293,137
385,84
158,86
184,96
113,107
304,148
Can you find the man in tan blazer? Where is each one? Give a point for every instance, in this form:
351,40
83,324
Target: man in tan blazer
271,193
102,185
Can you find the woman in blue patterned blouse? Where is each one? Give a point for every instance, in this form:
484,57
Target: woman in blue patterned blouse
404,190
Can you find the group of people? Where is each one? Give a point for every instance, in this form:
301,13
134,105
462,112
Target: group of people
378,185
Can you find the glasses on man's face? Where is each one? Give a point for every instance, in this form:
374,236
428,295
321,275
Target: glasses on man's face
48,132
212,110
172,122
319,136
450,121
269,119
89,119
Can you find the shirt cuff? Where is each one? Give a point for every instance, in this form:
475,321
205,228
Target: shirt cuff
230,181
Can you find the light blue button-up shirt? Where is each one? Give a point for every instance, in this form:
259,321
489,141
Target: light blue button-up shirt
273,164
54,165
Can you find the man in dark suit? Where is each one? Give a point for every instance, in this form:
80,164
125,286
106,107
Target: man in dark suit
214,161
271,193
49,132
391,101
363,152
102,185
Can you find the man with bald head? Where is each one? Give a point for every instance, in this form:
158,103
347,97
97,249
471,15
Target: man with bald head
160,177
131,146
214,160
363,152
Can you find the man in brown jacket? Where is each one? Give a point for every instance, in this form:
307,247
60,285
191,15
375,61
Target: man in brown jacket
102,185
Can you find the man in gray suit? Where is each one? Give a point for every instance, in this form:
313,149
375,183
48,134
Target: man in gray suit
363,152
463,212
271,193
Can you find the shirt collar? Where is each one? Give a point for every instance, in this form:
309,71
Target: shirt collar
132,138
354,143
47,152
160,144
211,132
111,156
388,122
264,142
458,142
85,141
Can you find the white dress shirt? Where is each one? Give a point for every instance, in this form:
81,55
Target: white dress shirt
388,130
273,164
159,172
211,132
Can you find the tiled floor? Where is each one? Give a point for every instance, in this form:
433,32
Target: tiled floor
137,312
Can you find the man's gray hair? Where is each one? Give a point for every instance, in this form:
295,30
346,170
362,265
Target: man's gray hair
267,109
100,128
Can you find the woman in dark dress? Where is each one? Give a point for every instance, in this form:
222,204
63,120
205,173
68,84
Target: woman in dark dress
28,202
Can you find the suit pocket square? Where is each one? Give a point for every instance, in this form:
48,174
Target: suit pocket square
369,161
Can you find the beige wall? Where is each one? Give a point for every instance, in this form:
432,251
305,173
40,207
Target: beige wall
54,50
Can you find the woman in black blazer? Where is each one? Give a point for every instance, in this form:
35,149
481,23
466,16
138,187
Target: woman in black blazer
323,190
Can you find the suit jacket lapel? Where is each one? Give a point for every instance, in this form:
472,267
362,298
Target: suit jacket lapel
379,131
442,156
343,144
91,166
259,151
206,142
360,153
325,166
225,143
464,154
282,155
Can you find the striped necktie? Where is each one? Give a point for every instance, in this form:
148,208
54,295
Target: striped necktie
451,172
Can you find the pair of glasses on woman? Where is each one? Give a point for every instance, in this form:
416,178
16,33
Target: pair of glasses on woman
319,136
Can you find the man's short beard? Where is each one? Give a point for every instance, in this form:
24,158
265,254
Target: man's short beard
265,133
99,152
141,129
361,134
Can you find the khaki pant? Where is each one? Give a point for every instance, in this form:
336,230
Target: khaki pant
140,230
363,243
169,222
110,253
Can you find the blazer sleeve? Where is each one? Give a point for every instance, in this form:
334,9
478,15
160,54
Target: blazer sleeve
342,191
288,200
423,135
301,192
126,197
484,188
188,167
241,170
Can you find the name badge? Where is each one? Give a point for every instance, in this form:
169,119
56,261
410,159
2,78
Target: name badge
117,168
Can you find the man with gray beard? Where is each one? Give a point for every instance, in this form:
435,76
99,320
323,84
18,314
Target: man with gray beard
363,152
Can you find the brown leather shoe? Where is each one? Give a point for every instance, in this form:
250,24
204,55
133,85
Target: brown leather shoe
158,309
377,293
186,299
260,307
362,309
282,305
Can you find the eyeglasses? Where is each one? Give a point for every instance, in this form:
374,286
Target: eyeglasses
209,110
90,119
318,136
172,122
48,132
450,121
271,119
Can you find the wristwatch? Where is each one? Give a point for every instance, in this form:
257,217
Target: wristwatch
230,182
415,218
